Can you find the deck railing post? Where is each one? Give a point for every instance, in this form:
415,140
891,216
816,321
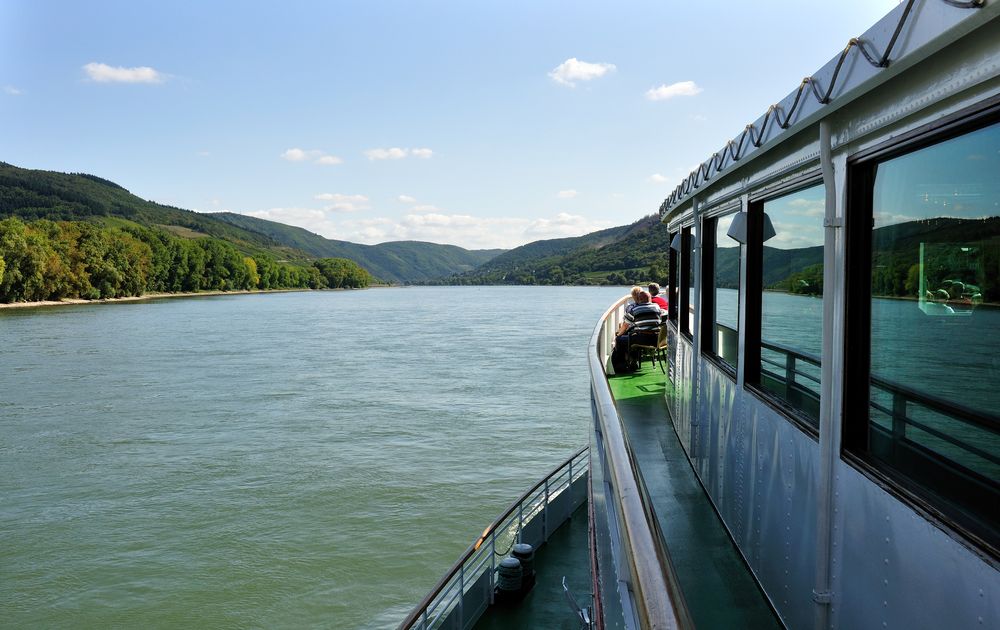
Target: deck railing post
898,419
493,564
789,370
545,513
520,520
461,597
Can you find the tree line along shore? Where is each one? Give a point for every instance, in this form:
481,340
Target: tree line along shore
53,261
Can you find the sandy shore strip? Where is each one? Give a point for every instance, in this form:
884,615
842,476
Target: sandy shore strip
145,296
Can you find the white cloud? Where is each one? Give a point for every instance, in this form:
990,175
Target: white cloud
562,225
466,230
427,223
795,235
425,208
314,155
298,155
103,73
311,219
656,178
203,154
700,118
567,194
572,70
11,90
664,92
407,199
395,153
806,207
344,203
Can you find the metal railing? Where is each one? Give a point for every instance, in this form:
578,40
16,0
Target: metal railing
643,562
899,406
477,567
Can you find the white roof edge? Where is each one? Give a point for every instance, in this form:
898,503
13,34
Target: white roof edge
929,26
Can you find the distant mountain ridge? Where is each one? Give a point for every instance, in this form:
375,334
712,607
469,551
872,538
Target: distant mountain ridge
618,255
39,194
421,261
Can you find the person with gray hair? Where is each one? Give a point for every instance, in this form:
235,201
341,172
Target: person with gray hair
641,326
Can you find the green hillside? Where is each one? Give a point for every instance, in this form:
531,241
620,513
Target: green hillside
396,261
620,255
37,194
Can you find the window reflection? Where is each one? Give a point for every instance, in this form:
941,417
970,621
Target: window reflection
791,303
725,338
687,281
935,320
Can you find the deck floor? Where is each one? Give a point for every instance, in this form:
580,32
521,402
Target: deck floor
717,584
565,554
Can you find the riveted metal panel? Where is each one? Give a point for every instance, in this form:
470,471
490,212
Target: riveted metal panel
885,552
761,473
683,365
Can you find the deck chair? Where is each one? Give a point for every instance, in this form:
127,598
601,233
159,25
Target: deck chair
657,353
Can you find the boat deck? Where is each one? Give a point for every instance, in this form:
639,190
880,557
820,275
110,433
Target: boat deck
565,554
717,584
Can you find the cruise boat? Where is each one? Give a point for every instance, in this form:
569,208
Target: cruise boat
821,446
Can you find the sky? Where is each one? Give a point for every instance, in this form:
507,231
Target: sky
478,124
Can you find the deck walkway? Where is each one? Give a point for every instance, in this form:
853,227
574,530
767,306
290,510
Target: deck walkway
718,587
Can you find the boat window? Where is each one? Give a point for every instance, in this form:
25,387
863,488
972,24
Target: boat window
722,290
788,247
671,288
933,300
687,282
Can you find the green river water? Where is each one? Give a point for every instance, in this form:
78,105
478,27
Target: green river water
291,460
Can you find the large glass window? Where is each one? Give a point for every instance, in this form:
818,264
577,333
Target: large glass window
687,282
671,288
934,301
791,299
722,289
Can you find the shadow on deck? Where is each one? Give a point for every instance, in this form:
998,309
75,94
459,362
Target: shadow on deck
717,584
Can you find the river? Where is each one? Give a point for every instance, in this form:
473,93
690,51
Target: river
313,459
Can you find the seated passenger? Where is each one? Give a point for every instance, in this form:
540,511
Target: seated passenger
641,326
635,297
656,298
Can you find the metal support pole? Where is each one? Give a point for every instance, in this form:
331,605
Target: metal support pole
545,513
829,418
898,420
520,521
461,597
493,564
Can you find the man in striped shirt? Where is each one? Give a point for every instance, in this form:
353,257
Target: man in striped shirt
641,326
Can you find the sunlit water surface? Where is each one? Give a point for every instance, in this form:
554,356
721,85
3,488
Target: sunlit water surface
311,459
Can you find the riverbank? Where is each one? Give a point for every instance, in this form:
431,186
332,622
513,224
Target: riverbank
145,296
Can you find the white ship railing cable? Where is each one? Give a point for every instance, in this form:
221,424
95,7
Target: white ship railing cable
657,594
734,149
481,557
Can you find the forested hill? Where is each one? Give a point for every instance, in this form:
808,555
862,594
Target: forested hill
397,261
622,255
38,194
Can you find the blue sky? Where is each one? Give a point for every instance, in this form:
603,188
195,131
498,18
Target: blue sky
479,124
